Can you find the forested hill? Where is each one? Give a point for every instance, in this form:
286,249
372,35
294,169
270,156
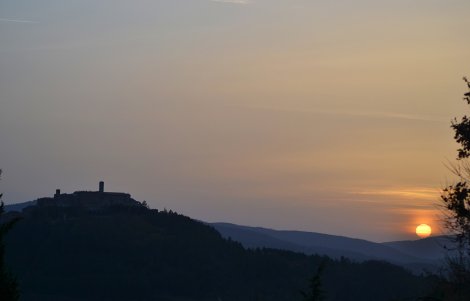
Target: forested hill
134,253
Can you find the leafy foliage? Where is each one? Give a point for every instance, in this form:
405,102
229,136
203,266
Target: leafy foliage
456,199
462,129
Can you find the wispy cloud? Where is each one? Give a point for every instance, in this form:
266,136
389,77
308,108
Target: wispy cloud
367,114
16,20
403,193
233,1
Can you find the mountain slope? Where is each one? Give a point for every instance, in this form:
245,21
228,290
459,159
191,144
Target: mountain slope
133,253
19,206
432,248
334,246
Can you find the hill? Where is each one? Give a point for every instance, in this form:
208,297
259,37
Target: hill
433,248
121,252
19,206
418,255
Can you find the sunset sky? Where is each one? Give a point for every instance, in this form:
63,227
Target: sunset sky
325,116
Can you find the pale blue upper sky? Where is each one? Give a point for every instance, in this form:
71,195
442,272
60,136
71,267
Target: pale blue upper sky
327,116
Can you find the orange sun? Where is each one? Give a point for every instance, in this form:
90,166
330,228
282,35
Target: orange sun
423,231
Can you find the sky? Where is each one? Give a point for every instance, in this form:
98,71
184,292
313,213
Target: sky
324,116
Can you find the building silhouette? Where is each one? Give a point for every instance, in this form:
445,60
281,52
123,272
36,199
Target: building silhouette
92,200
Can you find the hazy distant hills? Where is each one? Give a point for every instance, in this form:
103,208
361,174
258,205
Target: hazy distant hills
431,248
19,206
134,253
417,255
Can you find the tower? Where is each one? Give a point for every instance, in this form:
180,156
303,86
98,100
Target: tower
101,186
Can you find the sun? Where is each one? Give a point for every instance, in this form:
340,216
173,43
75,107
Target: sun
423,231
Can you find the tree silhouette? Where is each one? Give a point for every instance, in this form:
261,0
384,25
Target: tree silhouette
456,204
456,197
462,128
8,284
316,292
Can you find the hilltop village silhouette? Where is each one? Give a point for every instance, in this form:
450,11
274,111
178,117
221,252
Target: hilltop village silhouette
92,200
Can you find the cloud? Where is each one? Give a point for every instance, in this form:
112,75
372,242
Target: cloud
403,193
367,114
16,20
233,1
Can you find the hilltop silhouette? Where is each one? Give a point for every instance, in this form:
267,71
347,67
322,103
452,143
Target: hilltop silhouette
98,249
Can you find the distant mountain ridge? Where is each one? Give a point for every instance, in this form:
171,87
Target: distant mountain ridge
431,248
72,251
417,255
18,206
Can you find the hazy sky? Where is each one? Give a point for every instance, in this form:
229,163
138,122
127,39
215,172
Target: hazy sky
327,116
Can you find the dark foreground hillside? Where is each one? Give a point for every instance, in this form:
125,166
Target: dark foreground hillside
133,253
